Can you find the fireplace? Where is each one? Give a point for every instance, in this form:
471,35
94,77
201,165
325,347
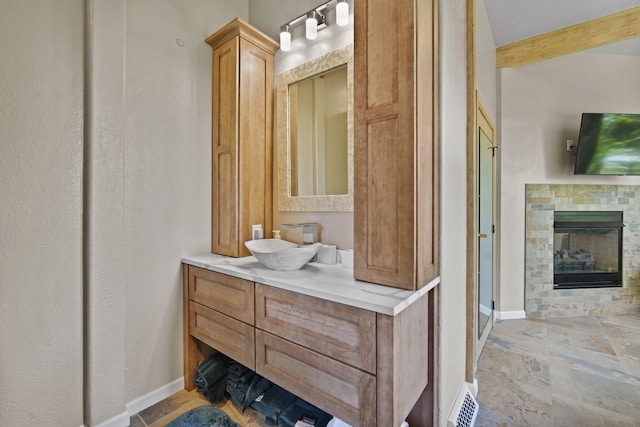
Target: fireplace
587,249
542,298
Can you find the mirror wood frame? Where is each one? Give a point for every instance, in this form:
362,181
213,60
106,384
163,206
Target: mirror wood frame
324,203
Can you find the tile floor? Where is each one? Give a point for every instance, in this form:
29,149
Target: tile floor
566,371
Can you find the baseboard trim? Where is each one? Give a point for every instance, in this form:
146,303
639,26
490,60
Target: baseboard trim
510,315
474,387
143,402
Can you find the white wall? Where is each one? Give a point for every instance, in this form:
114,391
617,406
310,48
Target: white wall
167,173
104,213
41,151
335,227
486,72
488,90
541,108
147,199
156,178
453,116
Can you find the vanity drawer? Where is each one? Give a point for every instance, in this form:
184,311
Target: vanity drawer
343,391
223,333
345,333
226,294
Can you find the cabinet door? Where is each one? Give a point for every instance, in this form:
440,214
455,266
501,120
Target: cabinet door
395,169
341,390
256,141
344,333
224,150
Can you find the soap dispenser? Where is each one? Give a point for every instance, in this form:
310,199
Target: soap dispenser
256,232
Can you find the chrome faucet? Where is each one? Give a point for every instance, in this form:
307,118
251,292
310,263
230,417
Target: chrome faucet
309,231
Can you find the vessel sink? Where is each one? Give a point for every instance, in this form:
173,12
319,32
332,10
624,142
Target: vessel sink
278,254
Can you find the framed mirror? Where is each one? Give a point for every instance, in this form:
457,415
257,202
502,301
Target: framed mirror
314,131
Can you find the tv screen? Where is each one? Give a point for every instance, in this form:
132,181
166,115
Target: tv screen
609,144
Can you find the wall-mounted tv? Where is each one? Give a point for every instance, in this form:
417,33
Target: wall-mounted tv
609,144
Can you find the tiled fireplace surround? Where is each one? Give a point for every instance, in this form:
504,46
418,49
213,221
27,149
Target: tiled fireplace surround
541,300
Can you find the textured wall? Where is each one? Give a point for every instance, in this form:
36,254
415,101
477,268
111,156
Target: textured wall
453,115
41,87
167,173
486,72
541,107
335,227
105,283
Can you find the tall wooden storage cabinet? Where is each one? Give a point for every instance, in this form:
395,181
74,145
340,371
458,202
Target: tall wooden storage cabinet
242,136
396,142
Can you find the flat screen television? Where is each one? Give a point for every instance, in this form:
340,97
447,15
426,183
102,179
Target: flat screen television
609,144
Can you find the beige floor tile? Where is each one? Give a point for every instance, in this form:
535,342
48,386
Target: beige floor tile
573,355
596,391
522,336
136,421
572,413
595,340
590,373
628,320
515,385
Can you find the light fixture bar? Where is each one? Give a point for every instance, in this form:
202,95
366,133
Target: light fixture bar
342,13
285,38
315,20
311,24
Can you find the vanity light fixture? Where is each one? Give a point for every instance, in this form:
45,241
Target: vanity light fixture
342,13
285,38
314,20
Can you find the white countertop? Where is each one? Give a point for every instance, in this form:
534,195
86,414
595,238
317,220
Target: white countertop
330,282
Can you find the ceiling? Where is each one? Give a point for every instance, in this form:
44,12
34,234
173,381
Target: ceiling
510,20
513,20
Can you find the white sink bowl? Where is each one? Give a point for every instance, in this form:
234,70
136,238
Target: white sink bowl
278,254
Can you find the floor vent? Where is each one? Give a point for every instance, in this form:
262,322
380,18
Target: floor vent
465,410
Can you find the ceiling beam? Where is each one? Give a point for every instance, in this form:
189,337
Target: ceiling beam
597,32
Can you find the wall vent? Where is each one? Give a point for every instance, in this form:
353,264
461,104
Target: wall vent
465,410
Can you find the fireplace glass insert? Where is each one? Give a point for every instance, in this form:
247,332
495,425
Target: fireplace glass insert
587,249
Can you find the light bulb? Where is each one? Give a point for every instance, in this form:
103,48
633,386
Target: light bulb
285,38
342,13
312,25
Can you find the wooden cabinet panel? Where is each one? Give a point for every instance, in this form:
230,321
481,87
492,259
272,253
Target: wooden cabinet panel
382,80
366,368
256,140
343,391
224,166
242,136
395,138
344,333
226,294
223,333
405,349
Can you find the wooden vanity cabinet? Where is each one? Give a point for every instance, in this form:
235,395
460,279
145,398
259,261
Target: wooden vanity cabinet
323,351
366,368
242,136
219,312
335,330
395,142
